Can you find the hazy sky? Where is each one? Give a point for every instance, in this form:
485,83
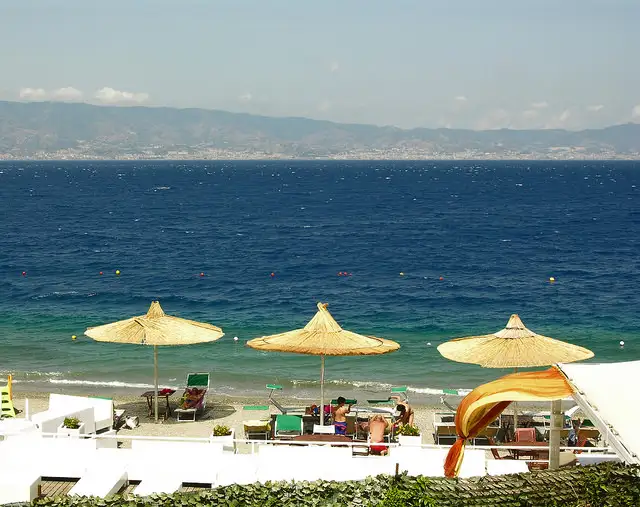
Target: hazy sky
457,63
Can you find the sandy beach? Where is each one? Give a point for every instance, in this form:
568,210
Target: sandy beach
226,411
219,410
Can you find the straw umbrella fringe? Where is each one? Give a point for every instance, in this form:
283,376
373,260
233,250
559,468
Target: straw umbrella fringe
323,336
157,329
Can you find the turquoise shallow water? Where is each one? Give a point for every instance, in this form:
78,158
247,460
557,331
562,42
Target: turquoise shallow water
495,232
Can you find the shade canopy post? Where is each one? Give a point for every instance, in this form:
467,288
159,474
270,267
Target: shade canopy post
155,377
321,390
554,434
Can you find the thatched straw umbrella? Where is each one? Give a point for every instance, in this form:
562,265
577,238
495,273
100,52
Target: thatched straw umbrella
157,329
323,336
515,346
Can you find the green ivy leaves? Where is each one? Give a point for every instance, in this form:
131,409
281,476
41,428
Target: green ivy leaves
604,485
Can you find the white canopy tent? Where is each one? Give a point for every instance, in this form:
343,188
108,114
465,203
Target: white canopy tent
608,394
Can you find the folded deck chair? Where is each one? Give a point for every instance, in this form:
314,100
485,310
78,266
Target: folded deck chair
288,426
194,397
260,425
6,403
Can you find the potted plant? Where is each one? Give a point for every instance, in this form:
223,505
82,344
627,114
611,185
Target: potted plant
409,434
225,435
71,427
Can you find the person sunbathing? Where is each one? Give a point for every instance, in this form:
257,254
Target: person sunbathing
340,416
377,426
192,398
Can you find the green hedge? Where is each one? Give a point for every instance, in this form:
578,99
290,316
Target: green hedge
605,485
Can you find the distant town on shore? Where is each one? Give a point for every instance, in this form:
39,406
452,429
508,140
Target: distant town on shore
78,131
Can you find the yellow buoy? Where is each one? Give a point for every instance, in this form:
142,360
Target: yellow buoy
117,272
73,337
401,273
552,279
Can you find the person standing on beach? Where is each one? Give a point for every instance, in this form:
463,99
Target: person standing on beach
405,412
340,416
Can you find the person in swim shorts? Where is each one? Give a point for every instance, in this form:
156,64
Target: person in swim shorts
340,416
377,427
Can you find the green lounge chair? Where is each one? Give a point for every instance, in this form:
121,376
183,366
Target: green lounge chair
400,392
288,426
199,382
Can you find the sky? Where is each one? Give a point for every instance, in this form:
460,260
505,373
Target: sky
480,64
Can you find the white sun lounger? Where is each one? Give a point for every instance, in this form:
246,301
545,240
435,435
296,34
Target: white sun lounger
19,484
50,457
506,466
101,479
194,462
156,484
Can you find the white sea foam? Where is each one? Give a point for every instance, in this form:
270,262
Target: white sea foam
99,383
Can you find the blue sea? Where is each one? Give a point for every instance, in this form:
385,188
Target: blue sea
475,241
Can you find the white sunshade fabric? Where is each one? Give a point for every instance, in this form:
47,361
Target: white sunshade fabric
608,395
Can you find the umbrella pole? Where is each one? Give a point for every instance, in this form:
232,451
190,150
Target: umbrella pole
554,434
321,390
155,377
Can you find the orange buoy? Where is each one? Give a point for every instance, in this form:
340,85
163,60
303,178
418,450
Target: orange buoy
442,278
201,274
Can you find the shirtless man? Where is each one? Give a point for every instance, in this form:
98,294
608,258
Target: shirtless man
340,416
377,427
406,415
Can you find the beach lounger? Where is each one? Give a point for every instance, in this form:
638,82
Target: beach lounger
158,484
194,397
397,394
287,426
506,466
101,479
50,420
18,484
260,427
192,462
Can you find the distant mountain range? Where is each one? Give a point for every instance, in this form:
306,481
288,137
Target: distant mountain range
50,130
